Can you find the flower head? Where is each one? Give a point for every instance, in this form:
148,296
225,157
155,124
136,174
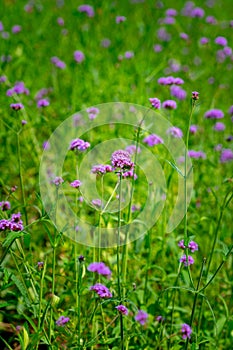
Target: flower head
221,40
79,144
92,112
101,169
186,331
178,92
79,56
5,205
120,19
226,155
76,183
121,159
193,129
214,114
155,102
17,106
122,309
175,132
219,126
190,261
101,290
43,102
195,95
58,180
152,140
141,317
62,321
87,9
100,268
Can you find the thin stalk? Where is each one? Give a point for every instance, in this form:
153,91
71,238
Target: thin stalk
21,178
147,267
42,275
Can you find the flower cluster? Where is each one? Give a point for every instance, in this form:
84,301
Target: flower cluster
17,106
122,309
192,246
62,321
155,102
170,81
101,169
18,88
100,268
175,132
87,9
196,154
58,63
92,112
169,104
186,331
79,56
141,317
5,206
214,114
13,224
79,144
58,180
152,140
101,290
121,160
76,183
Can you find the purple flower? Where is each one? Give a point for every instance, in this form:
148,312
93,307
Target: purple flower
171,12
3,78
16,106
97,202
163,35
186,331
226,155
170,80
4,225
196,154
214,114
160,318
183,260
79,56
169,104
197,12
16,223
100,268
219,126
58,63
62,321
86,9
76,183
16,29
178,92
60,21
152,140
155,102
204,41
105,42
193,246
18,88
58,180
101,169
79,144
211,20
169,20
132,149
40,265
5,205
157,48
46,145
195,95
129,173
141,317
1,26
101,290
120,19
181,244
129,54
121,159
42,103
175,132
220,40
92,112
227,51
23,122
184,36
231,110
122,309
193,129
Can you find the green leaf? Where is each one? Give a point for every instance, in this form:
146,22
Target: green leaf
11,237
22,289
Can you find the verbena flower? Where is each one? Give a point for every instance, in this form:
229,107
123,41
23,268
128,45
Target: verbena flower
42,103
221,40
58,180
121,160
175,132
18,88
132,149
100,268
17,106
193,129
196,154
122,309
178,92
170,80
152,140
219,126
184,36
192,246
76,183
92,112
204,40
101,169
79,144
16,29
87,9
62,321
195,95
230,111
97,202
58,63
186,331
211,20
190,261
40,265
197,12
5,205
160,318
13,224
155,102
101,290
226,155
214,114
60,21
141,317
171,12
120,19
79,56
129,54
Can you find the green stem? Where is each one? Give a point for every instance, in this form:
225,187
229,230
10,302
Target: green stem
21,178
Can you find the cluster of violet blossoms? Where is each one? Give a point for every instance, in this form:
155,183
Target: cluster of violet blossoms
192,246
13,224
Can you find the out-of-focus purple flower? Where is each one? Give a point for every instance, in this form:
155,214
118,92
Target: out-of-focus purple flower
184,36
76,183
62,321
229,138
16,224
43,102
105,42
197,12
135,208
42,92
178,92
79,56
230,111
218,147
23,122
181,244
204,41
141,317
1,26
193,246
160,318
193,129
132,149
186,331
5,35
120,19
101,290
169,104
92,112
129,173
184,260
87,9
2,79
195,95
40,265
17,106
5,205
211,20
155,102
97,202
100,268
157,48
121,160
214,114
226,155
227,50
18,88
221,40
122,309
58,180
175,132
129,54
6,58
58,63
219,126
152,140
101,169
163,35
168,20
60,21
196,154
171,12
46,145
16,29
170,80
79,144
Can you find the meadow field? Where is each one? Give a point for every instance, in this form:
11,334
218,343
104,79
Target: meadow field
116,174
